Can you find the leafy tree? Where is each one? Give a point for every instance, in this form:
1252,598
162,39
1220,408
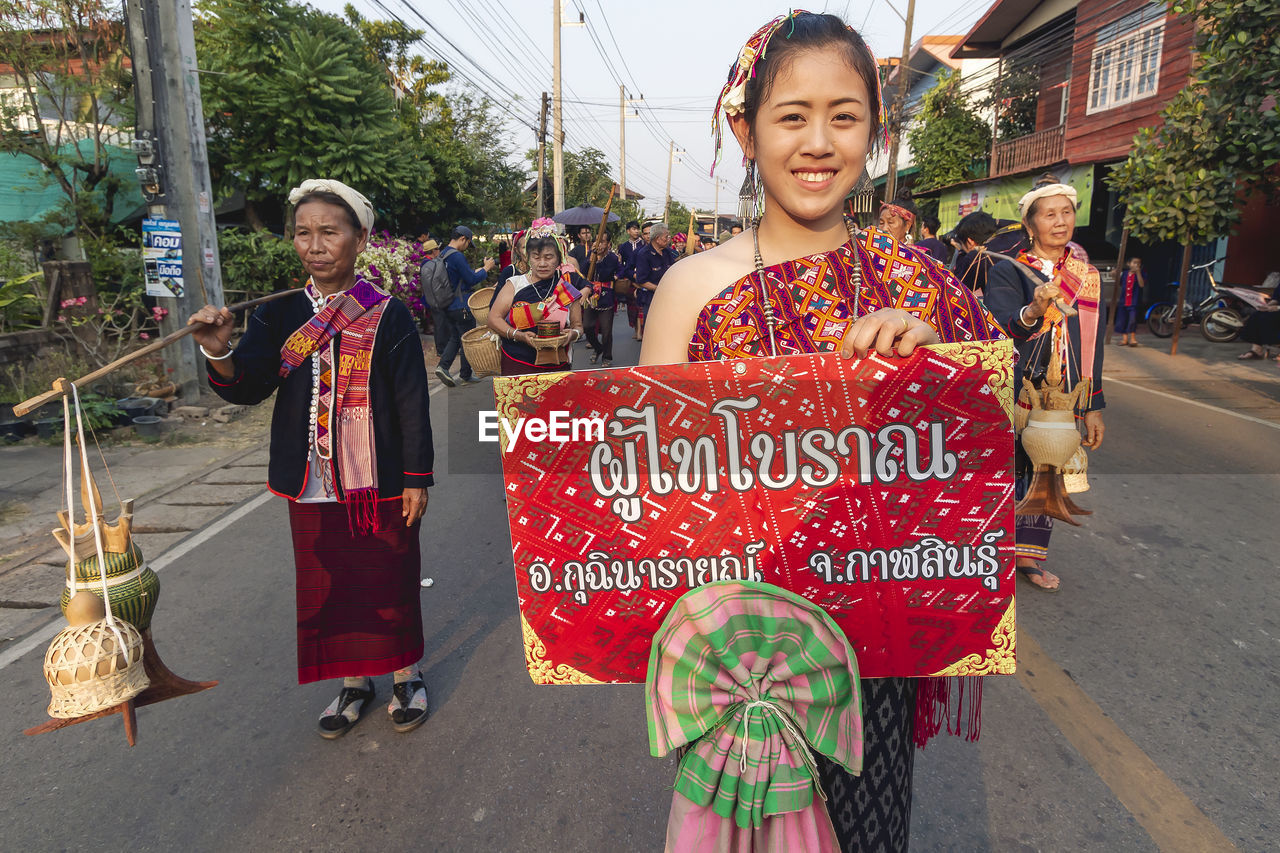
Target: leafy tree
1218,134
294,95
66,61
1015,100
947,137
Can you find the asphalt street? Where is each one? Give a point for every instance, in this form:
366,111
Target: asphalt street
1143,716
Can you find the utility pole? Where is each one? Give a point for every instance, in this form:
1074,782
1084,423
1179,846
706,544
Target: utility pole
672,151
622,142
174,165
891,179
557,132
542,157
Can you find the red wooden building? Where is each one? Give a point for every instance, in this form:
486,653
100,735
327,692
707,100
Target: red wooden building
1077,80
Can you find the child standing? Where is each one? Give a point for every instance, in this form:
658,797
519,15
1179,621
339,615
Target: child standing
1130,295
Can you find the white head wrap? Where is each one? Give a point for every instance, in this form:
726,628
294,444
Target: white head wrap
1044,192
357,202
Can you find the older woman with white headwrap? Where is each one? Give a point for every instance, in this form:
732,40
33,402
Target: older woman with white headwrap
350,449
1027,297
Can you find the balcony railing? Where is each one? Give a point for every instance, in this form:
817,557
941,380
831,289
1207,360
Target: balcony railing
1032,151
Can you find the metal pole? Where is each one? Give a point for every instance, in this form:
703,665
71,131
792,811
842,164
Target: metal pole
622,142
891,179
671,156
557,131
169,115
542,158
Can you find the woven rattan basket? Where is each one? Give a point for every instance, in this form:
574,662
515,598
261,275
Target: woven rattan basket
480,345
87,671
1075,474
478,304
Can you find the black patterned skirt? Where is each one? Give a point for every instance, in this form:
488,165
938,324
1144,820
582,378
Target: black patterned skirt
871,812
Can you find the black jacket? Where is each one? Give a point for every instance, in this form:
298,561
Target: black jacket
397,394
1008,290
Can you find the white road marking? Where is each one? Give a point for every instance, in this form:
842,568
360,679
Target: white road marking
1218,409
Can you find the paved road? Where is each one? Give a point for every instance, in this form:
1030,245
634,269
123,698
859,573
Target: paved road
1143,717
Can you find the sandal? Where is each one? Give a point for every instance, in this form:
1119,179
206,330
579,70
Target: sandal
1035,571
408,708
1250,355
594,358
339,718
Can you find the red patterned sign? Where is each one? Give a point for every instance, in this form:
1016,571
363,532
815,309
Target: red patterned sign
880,489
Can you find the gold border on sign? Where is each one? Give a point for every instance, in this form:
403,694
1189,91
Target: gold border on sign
1000,660
510,391
543,671
994,357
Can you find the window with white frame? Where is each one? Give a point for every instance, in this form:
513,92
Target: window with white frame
1126,59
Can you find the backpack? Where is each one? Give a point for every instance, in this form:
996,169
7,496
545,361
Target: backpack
433,281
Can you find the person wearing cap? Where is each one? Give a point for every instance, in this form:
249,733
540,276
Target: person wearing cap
452,323
351,450
1028,296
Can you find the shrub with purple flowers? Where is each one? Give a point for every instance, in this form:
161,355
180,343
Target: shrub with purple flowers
394,264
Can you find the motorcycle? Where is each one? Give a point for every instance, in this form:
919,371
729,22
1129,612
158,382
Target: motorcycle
1221,314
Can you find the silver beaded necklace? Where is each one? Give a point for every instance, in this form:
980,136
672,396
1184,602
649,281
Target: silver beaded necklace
770,319
318,301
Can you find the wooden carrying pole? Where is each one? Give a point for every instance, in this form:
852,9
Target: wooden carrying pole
688,237
604,222
58,390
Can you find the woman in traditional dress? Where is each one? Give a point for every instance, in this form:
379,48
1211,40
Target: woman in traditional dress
1024,295
803,101
550,290
898,218
598,312
350,450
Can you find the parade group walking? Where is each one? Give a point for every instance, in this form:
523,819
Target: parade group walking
351,441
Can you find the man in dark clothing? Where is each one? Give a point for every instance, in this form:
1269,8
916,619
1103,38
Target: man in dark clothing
652,262
929,241
628,250
452,323
971,265
581,248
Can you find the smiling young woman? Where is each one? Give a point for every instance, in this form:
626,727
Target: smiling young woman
803,102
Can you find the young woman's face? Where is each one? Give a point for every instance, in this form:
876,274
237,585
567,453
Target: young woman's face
811,136
543,263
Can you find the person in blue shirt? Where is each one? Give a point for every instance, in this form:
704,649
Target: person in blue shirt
627,251
452,323
652,262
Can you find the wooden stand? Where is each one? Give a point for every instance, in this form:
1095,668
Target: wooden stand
1048,495
164,685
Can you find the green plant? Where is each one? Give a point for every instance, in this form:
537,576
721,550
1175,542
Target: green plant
99,412
258,261
947,137
19,303
23,380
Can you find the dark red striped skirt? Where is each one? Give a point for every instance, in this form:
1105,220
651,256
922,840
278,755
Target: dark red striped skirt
358,606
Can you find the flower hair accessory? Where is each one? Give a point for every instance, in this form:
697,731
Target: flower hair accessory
733,96
540,228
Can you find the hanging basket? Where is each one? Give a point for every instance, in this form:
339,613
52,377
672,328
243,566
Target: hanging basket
481,347
1075,474
88,671
478,305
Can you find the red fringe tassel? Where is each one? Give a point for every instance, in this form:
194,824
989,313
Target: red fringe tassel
935,698
362,510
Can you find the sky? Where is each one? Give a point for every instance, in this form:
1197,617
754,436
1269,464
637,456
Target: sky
674,53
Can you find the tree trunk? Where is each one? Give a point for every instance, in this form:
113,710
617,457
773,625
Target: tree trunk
1182,294
251,216
1115,293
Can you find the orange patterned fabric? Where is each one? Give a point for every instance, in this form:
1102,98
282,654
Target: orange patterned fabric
813,299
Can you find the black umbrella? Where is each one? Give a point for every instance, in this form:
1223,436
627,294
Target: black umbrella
583,214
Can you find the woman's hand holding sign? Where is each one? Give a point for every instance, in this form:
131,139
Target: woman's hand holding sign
889,331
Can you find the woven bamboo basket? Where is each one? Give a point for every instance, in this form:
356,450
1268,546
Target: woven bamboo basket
478,304
481,348
1075,474
1051,437
553,350
88,672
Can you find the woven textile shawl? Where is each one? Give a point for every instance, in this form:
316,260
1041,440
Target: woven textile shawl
354,316
1081,287
752,676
